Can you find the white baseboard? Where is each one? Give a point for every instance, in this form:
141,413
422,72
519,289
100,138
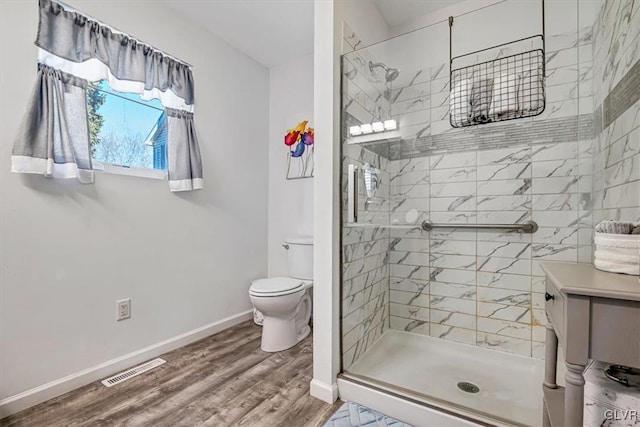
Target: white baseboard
39,394
325,392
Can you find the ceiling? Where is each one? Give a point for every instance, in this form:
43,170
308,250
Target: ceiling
398,12
274,32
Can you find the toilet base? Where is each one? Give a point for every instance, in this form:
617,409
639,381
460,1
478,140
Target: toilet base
281,334
306,330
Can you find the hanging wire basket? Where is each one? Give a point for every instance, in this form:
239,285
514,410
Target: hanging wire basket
508,87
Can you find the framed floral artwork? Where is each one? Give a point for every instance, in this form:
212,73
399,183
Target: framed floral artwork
299,142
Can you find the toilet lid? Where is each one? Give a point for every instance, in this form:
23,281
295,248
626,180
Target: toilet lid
276,285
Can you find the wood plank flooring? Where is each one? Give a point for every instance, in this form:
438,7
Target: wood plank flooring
222,380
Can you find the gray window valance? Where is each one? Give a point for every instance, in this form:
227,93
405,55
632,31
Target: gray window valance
54,137
77,38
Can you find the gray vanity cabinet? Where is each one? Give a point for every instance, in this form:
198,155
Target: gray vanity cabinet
591,314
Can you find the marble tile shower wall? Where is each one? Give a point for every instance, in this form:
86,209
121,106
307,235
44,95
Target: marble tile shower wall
365,255
485,288
575,164
365,248
420,103
409,299
365,91
616,50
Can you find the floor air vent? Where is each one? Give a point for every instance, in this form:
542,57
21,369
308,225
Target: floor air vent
130,373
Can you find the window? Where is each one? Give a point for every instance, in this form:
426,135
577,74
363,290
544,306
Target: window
127,133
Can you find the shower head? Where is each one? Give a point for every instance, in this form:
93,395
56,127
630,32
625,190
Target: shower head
390,73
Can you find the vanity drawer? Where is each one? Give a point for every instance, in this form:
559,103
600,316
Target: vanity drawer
554,306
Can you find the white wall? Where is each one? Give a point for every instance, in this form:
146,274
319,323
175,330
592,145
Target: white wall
478,24
290,201
523,17
368,24
69,251
440,15
328,23
365,20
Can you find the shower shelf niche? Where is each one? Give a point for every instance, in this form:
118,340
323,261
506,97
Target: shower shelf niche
375,138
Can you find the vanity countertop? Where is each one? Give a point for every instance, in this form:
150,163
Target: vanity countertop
585,279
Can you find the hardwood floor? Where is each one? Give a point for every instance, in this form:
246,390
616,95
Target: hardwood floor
222,380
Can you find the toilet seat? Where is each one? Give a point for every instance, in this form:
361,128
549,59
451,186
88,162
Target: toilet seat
276,286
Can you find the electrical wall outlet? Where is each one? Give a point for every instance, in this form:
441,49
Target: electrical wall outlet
123,309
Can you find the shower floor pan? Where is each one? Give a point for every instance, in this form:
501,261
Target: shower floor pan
510,386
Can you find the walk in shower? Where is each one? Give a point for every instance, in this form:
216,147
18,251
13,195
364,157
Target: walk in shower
444,226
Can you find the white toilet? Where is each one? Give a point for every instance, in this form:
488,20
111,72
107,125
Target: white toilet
285,302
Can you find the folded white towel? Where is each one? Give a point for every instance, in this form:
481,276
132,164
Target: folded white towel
505,95
622,241
613,267
614,227
531,91
460,103
481,91
618,253
617,257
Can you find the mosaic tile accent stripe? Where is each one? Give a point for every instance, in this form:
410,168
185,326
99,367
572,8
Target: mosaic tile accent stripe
490,136
616,146
622,97
616,44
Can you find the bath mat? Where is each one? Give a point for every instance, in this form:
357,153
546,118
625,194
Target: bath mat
351,414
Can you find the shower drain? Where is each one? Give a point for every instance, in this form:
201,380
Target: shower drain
468,387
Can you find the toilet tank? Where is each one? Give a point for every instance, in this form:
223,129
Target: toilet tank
300,257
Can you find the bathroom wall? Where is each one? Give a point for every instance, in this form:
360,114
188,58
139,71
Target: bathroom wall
363,20
616,52
455,9
365,279
69,251
290,201
483,287
329,33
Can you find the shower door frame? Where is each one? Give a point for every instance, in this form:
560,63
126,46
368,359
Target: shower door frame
429,403
391,390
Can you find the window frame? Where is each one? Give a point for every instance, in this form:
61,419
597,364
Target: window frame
116,169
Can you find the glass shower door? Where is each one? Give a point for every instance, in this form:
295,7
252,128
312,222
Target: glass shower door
454,316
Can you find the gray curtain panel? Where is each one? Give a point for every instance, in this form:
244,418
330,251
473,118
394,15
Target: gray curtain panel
53,139
74,37
183,153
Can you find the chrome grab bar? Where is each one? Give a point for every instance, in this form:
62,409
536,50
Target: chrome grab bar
527,227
